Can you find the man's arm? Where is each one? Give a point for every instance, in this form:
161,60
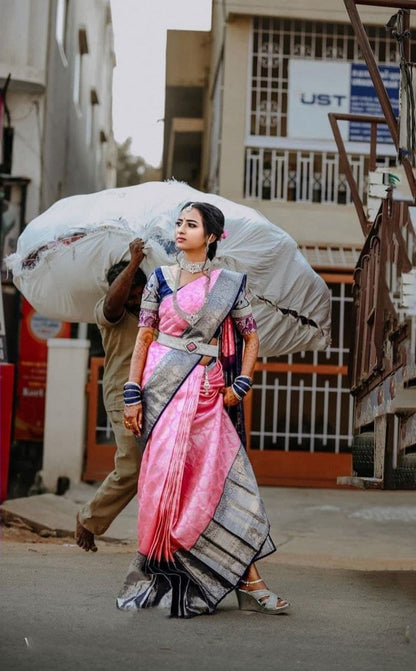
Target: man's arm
119,290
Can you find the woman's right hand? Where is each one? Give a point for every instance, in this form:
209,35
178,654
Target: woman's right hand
229,397
132,417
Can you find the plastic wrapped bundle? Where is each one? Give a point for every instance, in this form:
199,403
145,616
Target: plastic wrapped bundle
64,254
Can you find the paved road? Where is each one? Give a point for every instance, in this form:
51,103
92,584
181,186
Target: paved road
58,614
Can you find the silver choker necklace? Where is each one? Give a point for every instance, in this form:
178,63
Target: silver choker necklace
193,268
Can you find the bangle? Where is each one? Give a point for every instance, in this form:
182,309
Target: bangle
132,393
241,386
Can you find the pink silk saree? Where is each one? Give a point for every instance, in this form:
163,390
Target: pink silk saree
201,521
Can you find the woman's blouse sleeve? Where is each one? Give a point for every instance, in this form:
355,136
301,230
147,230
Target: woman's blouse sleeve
149,307
242,314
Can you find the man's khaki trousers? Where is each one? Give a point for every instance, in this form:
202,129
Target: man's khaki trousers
120,486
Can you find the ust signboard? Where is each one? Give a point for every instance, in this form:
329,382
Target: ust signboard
319,87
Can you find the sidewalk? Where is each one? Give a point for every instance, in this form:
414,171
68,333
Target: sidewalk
342,529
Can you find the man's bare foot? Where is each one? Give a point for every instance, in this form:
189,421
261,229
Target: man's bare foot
84,538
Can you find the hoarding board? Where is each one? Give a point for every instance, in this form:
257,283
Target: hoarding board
32,369
317,87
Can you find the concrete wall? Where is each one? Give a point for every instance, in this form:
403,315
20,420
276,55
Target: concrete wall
23,40
50,139
65,408
24,29
28,110
187,70
187,58
212,116
311,222
324,10
73,163
236,57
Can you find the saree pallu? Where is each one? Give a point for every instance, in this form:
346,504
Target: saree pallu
201,520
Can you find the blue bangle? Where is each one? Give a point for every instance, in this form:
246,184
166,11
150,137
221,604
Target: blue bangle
132,393
241,386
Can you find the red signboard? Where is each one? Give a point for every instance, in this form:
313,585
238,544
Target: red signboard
6,403
31,371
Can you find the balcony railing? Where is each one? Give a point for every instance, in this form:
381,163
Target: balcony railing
303,176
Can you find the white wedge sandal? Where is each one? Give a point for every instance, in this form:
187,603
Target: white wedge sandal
260,600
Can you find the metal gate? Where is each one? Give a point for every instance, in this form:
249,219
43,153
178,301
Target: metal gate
101,446
300,415
298,418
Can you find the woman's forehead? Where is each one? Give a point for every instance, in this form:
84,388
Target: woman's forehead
190,213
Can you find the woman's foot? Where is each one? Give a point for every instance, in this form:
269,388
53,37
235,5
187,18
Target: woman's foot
84,538
253,594
258,597
257,586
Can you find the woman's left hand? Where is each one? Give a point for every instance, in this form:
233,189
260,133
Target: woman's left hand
229,397
132,418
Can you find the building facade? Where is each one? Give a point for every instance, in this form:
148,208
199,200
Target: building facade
56,140
56,65
269,75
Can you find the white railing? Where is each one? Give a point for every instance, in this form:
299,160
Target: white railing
298,412
302,176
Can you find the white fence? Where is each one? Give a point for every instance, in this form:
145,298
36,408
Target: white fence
302,176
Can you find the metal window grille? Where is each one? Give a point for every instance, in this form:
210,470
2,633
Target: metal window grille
285,174
275,41
311,410
303,176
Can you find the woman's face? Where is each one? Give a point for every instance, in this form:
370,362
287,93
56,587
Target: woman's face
190,233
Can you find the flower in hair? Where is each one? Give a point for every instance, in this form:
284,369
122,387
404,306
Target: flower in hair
224,234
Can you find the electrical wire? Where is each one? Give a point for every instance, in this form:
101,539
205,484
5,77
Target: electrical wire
398,32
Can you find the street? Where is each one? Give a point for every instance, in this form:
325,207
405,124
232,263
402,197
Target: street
345,565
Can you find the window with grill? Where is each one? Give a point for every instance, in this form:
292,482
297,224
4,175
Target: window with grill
275,41
278,167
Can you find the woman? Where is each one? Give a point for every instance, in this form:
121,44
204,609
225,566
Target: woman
201,521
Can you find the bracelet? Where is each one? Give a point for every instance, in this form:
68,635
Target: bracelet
241,386
132,393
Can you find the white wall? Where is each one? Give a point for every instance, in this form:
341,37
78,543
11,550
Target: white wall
72,164
323,10
23,40
65,408
50,134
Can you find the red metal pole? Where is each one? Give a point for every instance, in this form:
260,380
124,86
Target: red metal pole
348,172
372,68
394,4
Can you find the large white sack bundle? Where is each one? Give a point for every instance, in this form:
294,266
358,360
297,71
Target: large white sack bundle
64,254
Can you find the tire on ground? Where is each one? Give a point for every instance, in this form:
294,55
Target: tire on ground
363,454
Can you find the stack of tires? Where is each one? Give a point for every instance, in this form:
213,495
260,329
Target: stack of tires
363,454
404,476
